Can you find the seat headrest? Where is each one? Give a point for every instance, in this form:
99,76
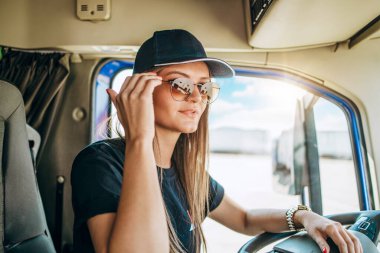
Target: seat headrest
10,99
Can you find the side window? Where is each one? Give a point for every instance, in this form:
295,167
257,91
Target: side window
116,85
337,170
111,74
273,144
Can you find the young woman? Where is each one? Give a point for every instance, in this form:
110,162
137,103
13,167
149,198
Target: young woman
150,191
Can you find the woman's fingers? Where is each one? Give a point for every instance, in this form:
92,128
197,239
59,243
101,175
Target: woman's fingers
143,83
346,242
125,83
133,86
347,238
355,240
112,94
134,104
129,85
130,81
321,228
321,241
147,90
339,241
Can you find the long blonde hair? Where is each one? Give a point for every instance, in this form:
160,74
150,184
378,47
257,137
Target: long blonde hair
190,156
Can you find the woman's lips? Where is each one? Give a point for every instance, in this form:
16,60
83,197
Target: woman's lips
190,113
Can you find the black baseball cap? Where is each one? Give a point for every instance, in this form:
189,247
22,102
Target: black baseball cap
177,46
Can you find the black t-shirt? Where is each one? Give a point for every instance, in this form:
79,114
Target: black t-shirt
96,179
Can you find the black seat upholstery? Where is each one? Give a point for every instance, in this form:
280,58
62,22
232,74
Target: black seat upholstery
25,228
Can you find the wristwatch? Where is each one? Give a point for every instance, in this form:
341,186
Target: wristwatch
290,217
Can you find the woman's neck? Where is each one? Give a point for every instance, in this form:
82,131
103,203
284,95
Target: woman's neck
164,145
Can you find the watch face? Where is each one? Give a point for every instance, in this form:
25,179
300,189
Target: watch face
303,207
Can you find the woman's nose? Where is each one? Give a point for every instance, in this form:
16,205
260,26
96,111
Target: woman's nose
195,96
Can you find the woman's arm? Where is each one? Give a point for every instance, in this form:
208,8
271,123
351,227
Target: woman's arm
139,224
254,222
250,222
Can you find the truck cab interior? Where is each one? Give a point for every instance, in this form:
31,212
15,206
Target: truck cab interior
299,121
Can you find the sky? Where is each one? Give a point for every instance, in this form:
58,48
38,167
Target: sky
255,103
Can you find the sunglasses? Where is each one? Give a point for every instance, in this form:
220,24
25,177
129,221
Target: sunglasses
181,89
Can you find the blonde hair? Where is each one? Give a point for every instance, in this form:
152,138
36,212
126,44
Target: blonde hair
190,156
191,159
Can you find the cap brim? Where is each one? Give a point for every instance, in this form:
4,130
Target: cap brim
217,67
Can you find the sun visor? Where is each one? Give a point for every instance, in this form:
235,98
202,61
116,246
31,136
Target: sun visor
281,25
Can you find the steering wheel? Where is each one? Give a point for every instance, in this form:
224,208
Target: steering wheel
365,226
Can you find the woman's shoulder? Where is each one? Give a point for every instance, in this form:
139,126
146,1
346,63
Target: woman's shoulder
115,145
99,158
108,150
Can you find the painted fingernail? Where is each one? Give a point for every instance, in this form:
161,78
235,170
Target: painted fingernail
324,250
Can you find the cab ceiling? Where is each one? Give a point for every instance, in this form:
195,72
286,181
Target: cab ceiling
222,26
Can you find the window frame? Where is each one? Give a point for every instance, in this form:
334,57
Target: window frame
100,69
349,108
352,113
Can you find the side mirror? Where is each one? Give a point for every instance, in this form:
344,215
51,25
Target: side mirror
289,157
296,158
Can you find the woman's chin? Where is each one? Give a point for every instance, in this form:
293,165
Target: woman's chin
189,129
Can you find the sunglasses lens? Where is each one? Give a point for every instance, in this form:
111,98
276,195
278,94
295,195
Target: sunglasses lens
182,88
209,92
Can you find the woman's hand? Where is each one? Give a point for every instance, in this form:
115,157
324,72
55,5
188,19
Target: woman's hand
320,228
134,105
